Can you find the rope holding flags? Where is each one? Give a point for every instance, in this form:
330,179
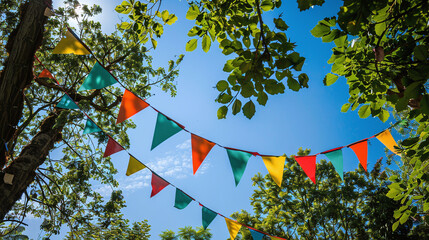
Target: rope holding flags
131,104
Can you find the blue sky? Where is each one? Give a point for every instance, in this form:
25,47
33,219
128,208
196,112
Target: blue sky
310,118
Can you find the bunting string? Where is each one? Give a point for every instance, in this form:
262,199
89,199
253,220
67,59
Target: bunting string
99,77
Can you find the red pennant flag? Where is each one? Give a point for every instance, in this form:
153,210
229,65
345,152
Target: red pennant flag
130,105
112,147
157,184
308,164
361,151
45,74
200,148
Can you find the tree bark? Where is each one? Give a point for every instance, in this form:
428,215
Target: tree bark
22,44
31,157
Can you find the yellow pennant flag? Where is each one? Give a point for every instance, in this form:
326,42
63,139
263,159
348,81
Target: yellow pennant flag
233,227
275,166
70,44
134,166
386,138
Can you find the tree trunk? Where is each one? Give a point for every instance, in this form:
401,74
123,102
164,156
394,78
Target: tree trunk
22,44
17,74
31,157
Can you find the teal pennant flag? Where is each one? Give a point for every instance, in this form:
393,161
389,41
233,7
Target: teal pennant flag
164,129
238,161
208,216
67,103
256,235
336,158
98,78
91,127
182,200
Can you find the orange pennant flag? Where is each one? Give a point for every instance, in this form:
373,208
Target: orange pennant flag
200,148
361,151
233,227
308,164
112,147
130,105
45,74
386,138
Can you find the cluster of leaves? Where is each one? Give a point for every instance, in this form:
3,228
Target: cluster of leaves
330,209
63,191
264,57
382,49
187,233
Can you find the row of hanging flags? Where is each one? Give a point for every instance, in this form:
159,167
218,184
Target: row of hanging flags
166,127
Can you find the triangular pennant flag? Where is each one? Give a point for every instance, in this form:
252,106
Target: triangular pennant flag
164,129
208,216
200,148
256,235
67,103
157,184
233,227
182,200
130,105
238,161
336,158
45,74
97,78
361,151
275,166
90,127
48,12
386,138
134,166
308,164
112,147
70,44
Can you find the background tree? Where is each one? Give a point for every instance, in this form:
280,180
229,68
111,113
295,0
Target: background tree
60,190
356,208
187,233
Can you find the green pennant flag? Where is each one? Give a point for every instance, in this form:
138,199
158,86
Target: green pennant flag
336,158
238,161
67,103
90,127
208,216
182,200
164,129
98,78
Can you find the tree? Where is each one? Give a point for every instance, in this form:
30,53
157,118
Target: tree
59,190
382,49
187,233
356,208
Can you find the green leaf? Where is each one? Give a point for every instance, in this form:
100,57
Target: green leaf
393,192
410,141
267,5
228,67
320,30
193,12
330,79
303,80
236,107
221,112
262,98
331,36
171,19
246,41
404,217
224,98
383,115
424,104
340,41
345,107
293,84
364,111
421,52
206,43
249,109
380,27
306,4
222,85
154,43
191,45
280,24
395,225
